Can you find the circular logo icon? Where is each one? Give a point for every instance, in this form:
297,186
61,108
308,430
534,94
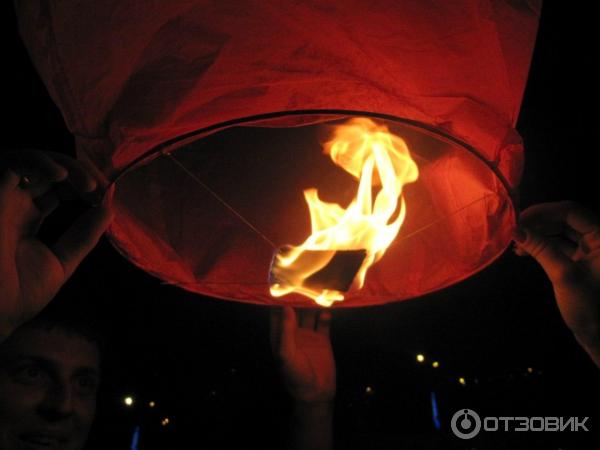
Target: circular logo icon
465,423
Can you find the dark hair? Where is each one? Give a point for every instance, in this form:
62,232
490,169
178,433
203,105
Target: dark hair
69,312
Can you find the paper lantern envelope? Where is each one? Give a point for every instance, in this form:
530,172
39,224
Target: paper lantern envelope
171,101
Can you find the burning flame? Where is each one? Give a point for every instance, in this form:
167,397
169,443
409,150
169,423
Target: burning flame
374,156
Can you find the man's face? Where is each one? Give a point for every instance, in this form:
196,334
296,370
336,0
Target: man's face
48,384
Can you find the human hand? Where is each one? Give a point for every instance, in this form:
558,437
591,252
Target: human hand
564,238
301,345
31,273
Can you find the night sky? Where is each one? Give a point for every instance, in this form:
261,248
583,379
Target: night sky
206,363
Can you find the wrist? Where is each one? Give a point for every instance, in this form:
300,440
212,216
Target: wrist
588,337
590,342
313,409
311,425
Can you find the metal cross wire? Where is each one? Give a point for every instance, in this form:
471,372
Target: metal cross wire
266,239
230,208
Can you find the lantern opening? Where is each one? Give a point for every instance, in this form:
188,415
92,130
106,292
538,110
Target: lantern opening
208,212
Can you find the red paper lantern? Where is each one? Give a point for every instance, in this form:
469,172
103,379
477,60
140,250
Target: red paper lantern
208,117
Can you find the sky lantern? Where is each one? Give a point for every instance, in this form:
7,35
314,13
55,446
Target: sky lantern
339,153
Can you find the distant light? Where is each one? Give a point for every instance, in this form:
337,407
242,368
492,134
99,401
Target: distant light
369,390
462,381
435,364
128,400
152,404
420,357
530,370
165,422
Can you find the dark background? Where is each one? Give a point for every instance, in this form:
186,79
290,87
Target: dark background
206,363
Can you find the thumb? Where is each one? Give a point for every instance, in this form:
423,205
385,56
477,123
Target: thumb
545,251
81,238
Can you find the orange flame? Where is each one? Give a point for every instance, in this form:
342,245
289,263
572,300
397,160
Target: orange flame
374,156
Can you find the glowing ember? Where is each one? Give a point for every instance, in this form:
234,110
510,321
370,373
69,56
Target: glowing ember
365,229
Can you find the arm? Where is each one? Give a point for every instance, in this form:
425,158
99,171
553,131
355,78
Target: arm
31,273
564,238
302,348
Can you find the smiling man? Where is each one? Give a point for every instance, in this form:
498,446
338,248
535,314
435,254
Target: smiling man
49,374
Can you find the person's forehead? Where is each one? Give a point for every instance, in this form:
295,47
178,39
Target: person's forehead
66,350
